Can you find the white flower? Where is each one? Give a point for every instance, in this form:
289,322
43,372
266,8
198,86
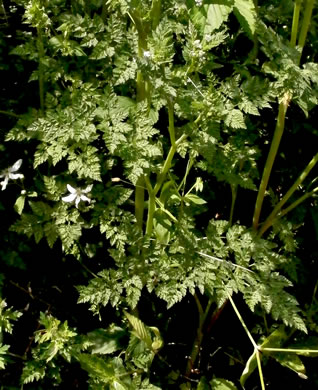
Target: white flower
9,174
147,54
77,194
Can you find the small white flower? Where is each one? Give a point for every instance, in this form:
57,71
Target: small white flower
198,3
9,174
147,54
77,194
197,44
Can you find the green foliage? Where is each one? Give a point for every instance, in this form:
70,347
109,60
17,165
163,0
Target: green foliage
142,151
6,316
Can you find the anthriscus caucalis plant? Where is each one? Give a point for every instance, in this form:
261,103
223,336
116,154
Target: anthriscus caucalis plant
150,135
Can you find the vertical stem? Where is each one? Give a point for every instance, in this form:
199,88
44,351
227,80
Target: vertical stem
260,371
199,336
294,32
155,13
40,69
234,195
104,10
141,95
280,125
139,202
171,123
151,206
305,23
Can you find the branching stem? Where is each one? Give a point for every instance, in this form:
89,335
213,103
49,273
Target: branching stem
280,125
199,336
270,219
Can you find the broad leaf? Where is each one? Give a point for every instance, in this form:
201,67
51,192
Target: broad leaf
140,329
291,361
222,384
245,12
19,204
210,17
106,341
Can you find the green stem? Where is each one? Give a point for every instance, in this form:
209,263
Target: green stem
41,70
242,322
280,125
260,371
9,114
199,336
160,179
141,95
171,123
155,13
234,196
167,164
289,350
289,193
305,23
295,24
104,10
151,206
139,202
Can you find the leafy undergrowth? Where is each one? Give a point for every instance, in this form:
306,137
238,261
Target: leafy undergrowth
158,194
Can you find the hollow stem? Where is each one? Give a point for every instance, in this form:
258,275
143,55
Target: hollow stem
280,125
269,221
155,13
242,322
234,196
199,335
305,23
260,371
295,24
141,94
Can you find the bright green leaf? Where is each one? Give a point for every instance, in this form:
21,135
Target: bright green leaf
19,204
245,12
222,384
194,199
